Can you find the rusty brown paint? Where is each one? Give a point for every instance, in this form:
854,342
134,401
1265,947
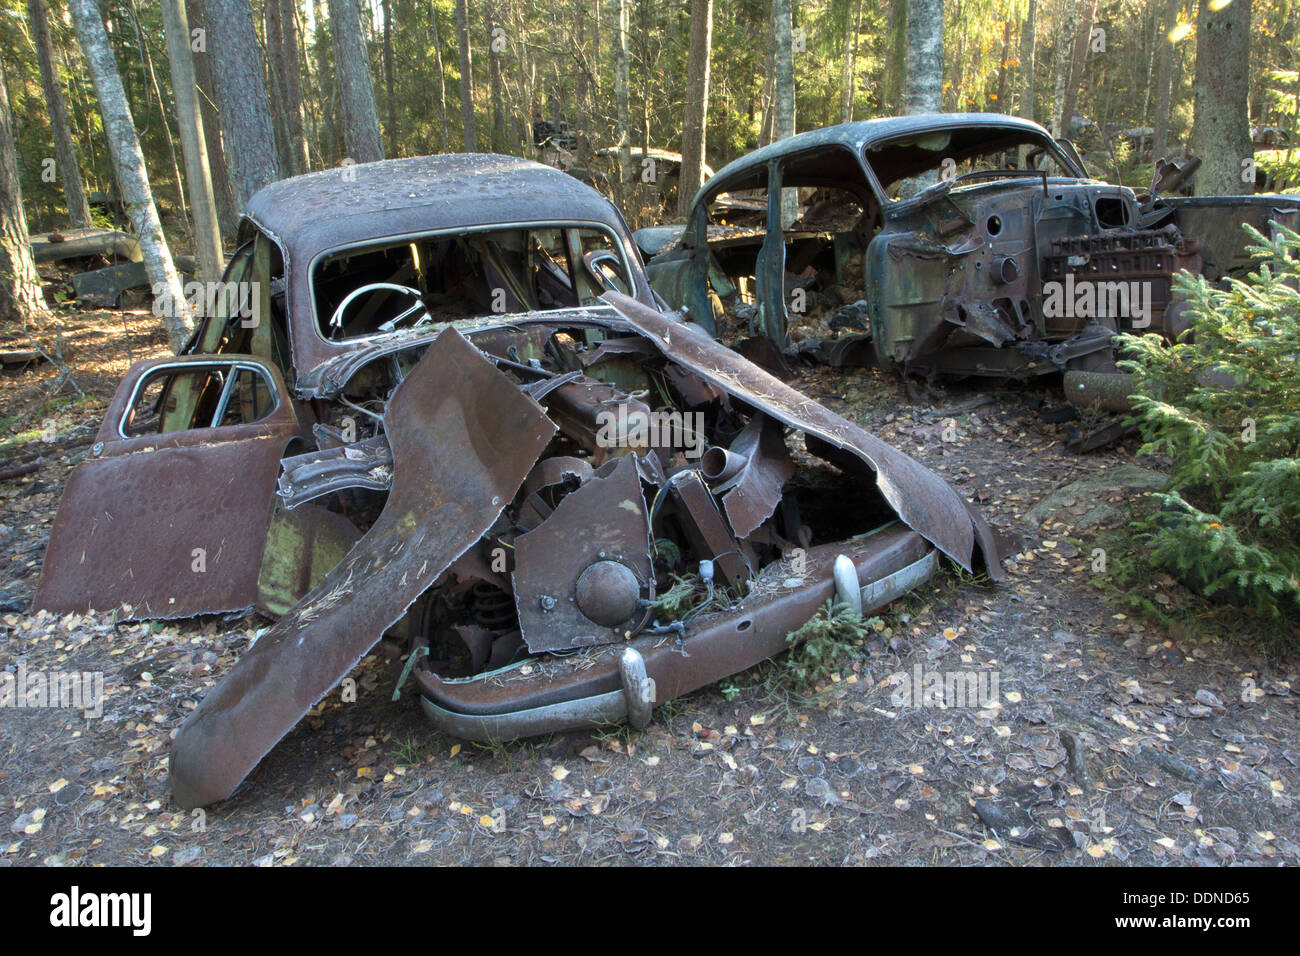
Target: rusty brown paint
921,498
463,439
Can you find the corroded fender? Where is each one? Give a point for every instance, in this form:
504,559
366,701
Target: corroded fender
463,438
925,502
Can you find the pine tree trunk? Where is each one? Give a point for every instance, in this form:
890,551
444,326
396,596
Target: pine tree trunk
1002,66
20,286
326,91
128,164
1164,79
198,177
274,43
356,90
696,118
205,90
923,76
65,150
466,77
234,56
1221,132
442,77
293,107
1061,67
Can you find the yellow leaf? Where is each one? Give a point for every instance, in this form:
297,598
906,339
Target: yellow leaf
455,750
158,851
424,846
58,785
559,773
1096,852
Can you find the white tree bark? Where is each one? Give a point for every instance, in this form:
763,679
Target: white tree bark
129,169
923,75
198,176
621,84
783,61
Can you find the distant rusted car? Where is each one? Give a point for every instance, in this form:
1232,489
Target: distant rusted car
435,402
954,244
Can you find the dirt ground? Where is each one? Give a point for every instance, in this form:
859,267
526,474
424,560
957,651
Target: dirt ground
1113,740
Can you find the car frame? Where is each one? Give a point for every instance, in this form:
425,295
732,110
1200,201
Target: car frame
363,487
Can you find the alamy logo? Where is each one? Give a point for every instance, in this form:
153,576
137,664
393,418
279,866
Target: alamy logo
1093,299
638,429
944,689
74,909
23,688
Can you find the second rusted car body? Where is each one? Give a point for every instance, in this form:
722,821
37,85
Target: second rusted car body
973,244
440,407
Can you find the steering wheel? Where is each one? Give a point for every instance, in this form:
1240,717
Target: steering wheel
336,320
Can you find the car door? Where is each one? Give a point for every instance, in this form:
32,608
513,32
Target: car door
168,517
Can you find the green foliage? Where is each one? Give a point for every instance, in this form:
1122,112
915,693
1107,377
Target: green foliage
831,636
1222,406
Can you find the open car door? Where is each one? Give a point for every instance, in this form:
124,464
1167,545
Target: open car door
169,516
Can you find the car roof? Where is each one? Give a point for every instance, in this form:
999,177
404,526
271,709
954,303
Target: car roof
364,202
863,133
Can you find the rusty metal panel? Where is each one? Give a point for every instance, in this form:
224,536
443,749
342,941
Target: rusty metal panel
605,520
170,524
924,501
172,532
463,439
763,466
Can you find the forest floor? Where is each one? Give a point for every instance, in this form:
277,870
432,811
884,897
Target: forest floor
1115,739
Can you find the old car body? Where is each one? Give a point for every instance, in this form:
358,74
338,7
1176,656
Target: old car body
440,407
958,244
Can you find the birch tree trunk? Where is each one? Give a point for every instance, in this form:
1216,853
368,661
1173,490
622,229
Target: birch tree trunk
198,177
696,119
1221,90
493,19
1027,61
923,76
850,60
466,77
128,166
1061,67
20,286
621,85
388,78
65,150
356,90
235,58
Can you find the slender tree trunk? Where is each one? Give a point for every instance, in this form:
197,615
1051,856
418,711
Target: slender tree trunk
234,56
1061,66
1082,44
896,59
1164,79
494,74
850,60
1027,44
1002,66
65,150
128,163
923,80
784,123
442,77
205,91
20,286
274,43
356,91
621,84
293,107
388,78
282,55
466,77
326,88
696,119
198,177
1221,131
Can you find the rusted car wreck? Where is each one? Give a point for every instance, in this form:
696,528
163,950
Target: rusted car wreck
445,410
947,244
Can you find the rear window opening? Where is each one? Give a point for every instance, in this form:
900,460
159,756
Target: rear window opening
438,279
